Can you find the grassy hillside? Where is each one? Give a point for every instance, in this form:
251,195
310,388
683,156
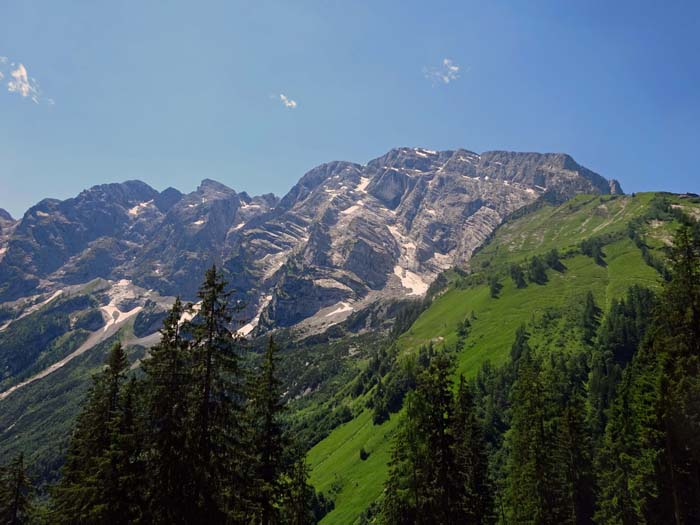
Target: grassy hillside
551,312
561,227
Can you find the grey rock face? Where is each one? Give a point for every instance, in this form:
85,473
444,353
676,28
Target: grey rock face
168,198
7,227
345,236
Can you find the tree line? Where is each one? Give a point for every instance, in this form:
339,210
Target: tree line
607,435
192,437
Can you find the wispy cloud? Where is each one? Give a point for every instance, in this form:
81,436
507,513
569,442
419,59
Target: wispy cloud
20,83
288,102
17,80
445,73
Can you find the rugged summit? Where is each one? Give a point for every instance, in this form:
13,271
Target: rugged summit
5,216
345,236
7,225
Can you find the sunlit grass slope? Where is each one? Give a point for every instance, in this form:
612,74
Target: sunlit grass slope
550,311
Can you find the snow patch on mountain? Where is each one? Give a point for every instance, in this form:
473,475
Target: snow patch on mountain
250,326
411,281
140,208
190,314
342,308
116,316
354,208
362,186
425,153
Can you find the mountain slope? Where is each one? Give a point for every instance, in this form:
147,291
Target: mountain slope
347,236
388,228
550,311
344,236
331,257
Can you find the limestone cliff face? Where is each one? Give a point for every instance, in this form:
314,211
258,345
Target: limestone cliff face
343,237
387,228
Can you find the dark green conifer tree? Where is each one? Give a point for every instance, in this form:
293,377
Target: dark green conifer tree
298,506
472,486
434,406
628,463
520,346
404,487
15,493
216,434
573,462
268,439
495,286
594,248
380,410
590,319
463,328
124,490
554,261
167,387
677,338
622,331
518,276
531,494
537,271
80,495
437,472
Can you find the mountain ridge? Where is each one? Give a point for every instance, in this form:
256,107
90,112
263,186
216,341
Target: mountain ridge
345,234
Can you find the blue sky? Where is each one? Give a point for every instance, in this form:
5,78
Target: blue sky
132,89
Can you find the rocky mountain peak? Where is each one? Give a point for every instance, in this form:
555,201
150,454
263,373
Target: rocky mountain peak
123,193
344,237
167,198
7,225
315,178
556,172
269,200
414,159
209,186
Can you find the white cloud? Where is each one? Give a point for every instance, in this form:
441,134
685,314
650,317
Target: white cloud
20,84
18,81
288,102
445,73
